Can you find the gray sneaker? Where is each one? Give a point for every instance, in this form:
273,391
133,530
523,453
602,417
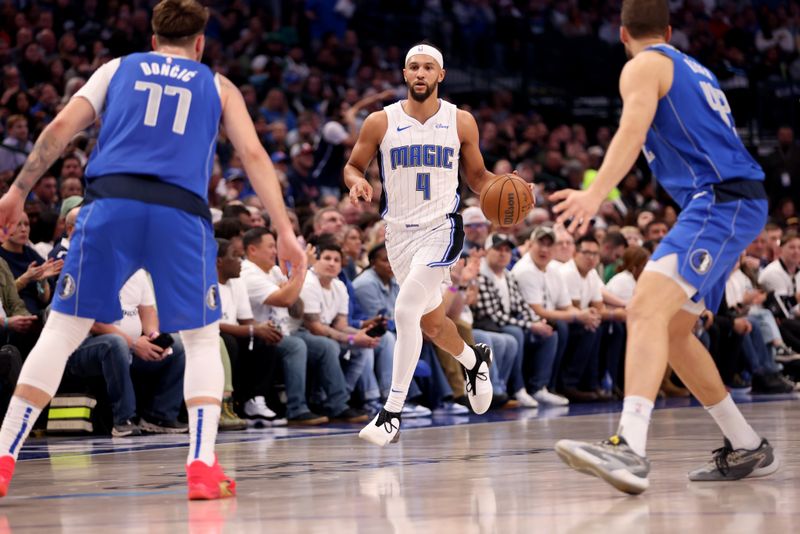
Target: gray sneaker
732,464
612,460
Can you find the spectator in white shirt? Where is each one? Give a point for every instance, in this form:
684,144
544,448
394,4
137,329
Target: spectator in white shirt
623,284
782,277
326,305
271,296
564,249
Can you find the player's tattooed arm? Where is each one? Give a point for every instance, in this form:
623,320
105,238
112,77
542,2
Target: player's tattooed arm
45,152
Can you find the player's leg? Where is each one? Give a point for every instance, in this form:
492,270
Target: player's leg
188,302
620,461
88,285
409,309
475,360
744,453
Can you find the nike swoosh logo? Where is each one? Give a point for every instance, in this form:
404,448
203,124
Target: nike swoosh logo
700,194
403,128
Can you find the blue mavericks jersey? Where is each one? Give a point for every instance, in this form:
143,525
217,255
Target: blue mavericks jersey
692,143
160,118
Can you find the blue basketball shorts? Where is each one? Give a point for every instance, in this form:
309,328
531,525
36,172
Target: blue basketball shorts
708,239
115,237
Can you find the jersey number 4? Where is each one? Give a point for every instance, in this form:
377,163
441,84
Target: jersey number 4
718,102
154,93
424,184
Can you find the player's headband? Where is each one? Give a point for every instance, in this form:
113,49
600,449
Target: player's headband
428,51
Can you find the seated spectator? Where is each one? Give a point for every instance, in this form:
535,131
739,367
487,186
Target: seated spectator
139,375
623,284
655,230
69,213
31,270
326,305
564,247
782,279
353,250
16,146
20,328
501,307
611,250
581,366
271,295
251,346
476,228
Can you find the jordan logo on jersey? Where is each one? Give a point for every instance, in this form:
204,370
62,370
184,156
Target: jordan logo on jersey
422,156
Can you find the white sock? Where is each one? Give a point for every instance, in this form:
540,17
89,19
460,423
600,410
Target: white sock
634,422
733,424
203,423
19,420
467,357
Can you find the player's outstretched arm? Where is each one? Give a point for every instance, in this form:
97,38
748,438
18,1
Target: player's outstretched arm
472,166
644,80
369,140
258,166
76,116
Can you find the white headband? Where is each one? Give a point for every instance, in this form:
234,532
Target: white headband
428,51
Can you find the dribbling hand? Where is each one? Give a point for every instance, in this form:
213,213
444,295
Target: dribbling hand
361,191
577,207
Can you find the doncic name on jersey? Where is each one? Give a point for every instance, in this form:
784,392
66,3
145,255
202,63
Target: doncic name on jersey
167,69
422,156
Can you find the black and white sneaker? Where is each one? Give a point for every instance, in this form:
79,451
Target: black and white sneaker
260,416
728,463
478,384
784,354
383,429
612,460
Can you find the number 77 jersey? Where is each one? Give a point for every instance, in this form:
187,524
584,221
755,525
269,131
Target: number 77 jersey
692,143
159,116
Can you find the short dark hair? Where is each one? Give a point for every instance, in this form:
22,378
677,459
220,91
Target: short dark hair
328,244
234,210
788,236
177,21
254,235
588,238
373,252
227,228
615,239
222,247
653,223
645,18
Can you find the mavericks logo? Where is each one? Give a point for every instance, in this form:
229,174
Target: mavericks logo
67,287
212,297
701,261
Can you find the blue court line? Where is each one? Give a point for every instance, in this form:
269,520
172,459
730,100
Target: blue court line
106,494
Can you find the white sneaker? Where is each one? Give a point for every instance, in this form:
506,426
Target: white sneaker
451,408
411,410
383,429
478,385
260,415
525,400
543,396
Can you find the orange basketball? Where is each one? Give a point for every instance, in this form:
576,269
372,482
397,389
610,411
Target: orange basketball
506,200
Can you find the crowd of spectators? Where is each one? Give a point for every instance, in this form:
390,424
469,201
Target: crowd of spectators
314,349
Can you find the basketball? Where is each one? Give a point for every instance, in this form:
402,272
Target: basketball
506,200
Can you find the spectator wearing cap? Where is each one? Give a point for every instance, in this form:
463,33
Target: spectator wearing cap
68,214
476,228
501,307
545,291
302,188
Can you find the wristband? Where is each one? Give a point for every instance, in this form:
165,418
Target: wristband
350,339
250,346
452,289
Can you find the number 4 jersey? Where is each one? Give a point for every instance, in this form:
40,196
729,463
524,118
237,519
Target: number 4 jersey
160,116
692,143
419,166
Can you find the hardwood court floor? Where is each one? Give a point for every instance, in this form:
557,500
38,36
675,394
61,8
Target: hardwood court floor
491,477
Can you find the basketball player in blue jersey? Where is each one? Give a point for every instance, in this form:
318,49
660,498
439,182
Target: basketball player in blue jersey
420,143
674,109
147,208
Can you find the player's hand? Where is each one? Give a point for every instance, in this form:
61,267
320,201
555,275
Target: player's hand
577,207
290,252
361,190
11,207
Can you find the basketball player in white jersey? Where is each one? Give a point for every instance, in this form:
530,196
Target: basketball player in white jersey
420,142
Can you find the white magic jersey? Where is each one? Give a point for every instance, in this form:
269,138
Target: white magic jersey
419,166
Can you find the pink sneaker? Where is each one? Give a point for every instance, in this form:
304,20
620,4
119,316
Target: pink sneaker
206,482
7,464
